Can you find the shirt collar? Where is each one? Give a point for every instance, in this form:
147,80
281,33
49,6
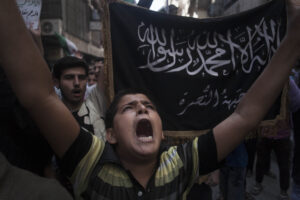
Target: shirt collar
109,155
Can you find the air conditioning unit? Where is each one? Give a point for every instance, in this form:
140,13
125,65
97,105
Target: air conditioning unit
51,26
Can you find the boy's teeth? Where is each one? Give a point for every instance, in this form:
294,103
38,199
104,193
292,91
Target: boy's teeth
145,138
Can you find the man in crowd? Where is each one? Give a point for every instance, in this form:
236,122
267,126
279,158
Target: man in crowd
70,76
281,145
131,164
92,79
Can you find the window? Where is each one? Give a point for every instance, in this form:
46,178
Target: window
77,18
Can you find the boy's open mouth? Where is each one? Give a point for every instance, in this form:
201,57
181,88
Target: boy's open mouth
144,130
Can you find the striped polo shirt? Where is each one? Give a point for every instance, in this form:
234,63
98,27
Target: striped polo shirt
97,173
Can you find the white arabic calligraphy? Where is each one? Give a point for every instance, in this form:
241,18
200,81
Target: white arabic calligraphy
213,98
198,53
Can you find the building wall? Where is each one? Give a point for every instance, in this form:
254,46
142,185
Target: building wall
51,9
75,17
183,7
243,5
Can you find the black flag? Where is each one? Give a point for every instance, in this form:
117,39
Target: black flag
197,69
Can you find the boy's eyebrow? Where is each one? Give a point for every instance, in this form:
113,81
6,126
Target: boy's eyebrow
134,102
130,103
147,102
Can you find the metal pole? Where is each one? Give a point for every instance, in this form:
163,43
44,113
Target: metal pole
167,6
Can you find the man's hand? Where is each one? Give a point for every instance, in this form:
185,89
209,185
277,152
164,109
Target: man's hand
213,178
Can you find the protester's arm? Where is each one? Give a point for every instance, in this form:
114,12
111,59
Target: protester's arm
31,80
36,36
259,98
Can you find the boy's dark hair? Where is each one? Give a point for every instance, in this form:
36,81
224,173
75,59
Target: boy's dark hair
113,108
66,63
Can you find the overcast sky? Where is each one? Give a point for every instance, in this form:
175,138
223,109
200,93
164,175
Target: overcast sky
156,4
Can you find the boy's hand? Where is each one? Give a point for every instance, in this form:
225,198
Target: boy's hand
293,13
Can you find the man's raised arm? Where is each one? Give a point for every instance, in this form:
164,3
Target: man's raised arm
260,97
30,79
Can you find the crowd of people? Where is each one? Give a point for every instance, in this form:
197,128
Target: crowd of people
61,139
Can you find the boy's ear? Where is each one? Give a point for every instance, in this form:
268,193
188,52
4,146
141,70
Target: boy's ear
56,82
110,136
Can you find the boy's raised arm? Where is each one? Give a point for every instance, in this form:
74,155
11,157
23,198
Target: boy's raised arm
30,79
260,97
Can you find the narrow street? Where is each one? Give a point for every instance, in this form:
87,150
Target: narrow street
271,189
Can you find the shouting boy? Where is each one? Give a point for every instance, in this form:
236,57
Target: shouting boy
131,165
